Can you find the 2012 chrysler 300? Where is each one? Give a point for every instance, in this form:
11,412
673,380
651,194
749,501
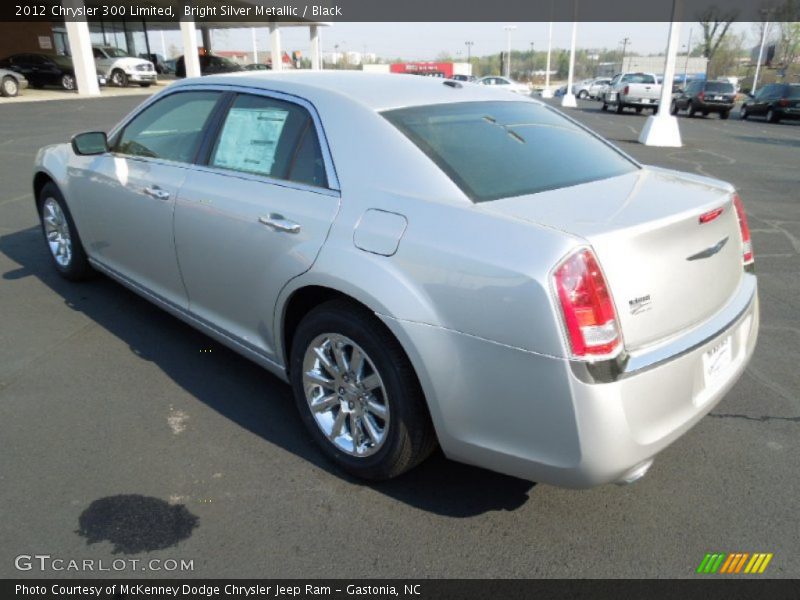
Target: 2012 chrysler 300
425,262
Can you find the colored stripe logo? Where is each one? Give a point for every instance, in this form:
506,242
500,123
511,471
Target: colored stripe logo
734,563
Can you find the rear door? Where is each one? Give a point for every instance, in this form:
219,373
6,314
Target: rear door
256,215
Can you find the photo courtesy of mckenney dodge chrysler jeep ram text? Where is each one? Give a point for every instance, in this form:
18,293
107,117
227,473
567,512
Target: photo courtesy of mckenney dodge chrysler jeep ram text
560,320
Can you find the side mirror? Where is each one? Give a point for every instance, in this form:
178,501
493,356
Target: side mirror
90,143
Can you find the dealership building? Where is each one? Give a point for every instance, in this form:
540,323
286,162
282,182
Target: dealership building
133,35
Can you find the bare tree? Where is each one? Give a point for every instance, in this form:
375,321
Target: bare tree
715,24
787,18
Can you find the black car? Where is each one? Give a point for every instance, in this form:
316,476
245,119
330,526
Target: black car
210,64
774,101
159,62
44,69
705,97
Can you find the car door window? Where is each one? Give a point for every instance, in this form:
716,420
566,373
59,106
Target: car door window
270,137
170,129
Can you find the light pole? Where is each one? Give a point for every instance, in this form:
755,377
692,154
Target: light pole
546,93
764,29
624,43
568,99
469,55
509,29
686,63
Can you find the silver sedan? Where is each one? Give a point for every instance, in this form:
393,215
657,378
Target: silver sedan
425,262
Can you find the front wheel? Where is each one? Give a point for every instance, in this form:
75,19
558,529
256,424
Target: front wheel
583,95
61,235
68,82
690,109
743,113
119,78
9,87
357,392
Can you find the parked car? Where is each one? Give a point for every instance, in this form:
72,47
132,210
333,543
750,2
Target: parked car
210,64
632,90
462,78
11,83
607,309
560,91
120,69
774,101
257,67
159,62
590,88
705,97
44,69
505,83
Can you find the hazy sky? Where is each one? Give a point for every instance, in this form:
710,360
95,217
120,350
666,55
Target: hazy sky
422,41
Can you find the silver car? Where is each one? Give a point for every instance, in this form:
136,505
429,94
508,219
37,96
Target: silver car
425,262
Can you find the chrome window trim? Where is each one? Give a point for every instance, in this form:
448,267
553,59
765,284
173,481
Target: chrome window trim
330,168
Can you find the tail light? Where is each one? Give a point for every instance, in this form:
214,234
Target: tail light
701,96
747,245
586,305
783,102
626,90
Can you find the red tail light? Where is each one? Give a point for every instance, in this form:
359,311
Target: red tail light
589,314
783,102
747,245
626,90
701,96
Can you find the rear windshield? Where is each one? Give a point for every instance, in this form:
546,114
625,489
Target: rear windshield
497,150
720,87
793,91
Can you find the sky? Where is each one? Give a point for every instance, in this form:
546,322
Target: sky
424,41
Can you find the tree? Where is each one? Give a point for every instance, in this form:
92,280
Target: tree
715,25
787,17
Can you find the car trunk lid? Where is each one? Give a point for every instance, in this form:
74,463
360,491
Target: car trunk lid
669,245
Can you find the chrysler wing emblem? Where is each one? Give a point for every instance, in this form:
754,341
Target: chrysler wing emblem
708,252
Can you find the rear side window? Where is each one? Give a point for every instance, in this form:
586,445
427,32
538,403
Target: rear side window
719,87
497,150
793,91
171,128
638,78
269,137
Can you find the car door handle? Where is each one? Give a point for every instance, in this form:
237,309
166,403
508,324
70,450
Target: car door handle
156,192
278,223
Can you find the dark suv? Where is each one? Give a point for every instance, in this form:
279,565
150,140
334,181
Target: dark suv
775,101
705,97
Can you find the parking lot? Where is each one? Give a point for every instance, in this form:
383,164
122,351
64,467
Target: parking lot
108,404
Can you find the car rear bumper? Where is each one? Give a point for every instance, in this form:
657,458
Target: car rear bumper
714,106
552,420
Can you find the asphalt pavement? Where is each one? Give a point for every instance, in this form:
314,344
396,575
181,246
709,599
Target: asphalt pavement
110,407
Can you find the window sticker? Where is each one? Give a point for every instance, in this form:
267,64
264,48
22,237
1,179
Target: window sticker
250,138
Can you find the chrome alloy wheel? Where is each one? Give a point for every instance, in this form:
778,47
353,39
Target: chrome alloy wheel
345,394
56,229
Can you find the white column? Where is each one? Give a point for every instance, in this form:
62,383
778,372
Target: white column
163,45
190,57
547,92
275,44
568,99
760,56
255,44
313,32
662,129
80,45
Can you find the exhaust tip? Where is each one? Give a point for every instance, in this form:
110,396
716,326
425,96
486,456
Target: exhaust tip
636,473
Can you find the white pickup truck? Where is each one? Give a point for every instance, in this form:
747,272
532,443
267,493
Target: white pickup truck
633,90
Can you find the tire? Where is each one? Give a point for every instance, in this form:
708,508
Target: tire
673,108
61,235
145,85
724,114
384,447
772,117
705,113
743,113
620,108
604,107
690,109
583,95
9,87
68,82
119,78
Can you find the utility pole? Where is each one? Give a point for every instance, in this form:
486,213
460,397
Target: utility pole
509,29
546,93
765,27
533,64
469,51
688,52
625,42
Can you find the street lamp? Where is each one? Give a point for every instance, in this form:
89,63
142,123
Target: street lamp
568,99
546,92
509,29
765,28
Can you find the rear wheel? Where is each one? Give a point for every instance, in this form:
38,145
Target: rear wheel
68,81
690,109
673,108
357,392
61,235
9,87
772,116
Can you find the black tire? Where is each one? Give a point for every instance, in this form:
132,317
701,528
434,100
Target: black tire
705,113
583,95
673,108
410,437
68,82
604,107
620,108
118,78
724,114
145,85
743,113
690,109
772,116
9,87
78,268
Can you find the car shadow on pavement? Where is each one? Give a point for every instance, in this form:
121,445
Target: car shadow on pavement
777,141
244,392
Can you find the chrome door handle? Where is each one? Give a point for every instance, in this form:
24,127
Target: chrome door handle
278,223
156,192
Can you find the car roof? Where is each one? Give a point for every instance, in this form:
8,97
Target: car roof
377,91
